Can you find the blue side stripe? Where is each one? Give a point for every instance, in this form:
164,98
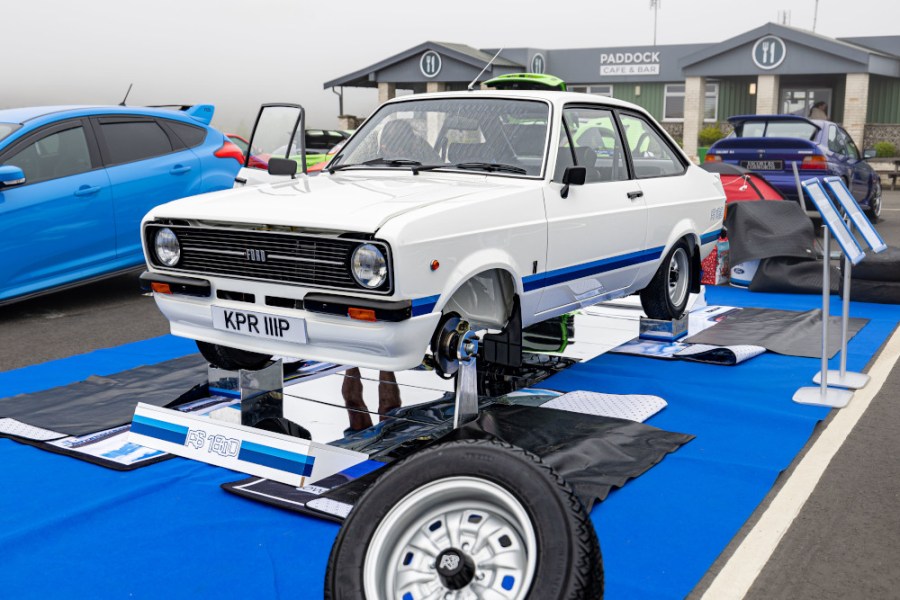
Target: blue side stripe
283,460
423,306
710,237
177,434
540,280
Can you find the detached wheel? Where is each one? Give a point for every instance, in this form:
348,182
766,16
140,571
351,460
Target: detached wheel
667,294
232,358
467,519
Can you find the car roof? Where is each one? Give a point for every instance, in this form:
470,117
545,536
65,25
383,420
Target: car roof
555,97
53,113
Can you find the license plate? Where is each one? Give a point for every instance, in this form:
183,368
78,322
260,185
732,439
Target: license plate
762,165
274,327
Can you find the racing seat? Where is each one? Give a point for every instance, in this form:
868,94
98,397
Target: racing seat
399,140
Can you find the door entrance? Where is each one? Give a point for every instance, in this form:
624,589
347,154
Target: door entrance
799,100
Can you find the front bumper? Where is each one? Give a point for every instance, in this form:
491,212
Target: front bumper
384,345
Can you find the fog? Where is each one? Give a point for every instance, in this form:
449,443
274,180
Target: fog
237,54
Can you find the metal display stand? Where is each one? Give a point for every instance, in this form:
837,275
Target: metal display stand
823,395
853,215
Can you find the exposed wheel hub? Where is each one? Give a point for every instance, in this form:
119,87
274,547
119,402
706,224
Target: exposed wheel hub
455,568
453,342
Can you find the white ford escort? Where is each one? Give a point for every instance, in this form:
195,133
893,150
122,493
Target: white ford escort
444,213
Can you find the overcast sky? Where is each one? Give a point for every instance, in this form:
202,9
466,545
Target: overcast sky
237,54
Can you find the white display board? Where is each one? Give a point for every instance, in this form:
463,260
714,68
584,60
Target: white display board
857,217
833,220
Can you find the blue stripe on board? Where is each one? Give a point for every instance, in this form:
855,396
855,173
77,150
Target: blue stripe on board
168,432
283,460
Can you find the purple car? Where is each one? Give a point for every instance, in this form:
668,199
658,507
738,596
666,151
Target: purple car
770,144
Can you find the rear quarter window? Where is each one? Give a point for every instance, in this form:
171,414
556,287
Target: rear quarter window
190,135
129,141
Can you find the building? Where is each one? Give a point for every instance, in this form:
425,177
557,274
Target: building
770,69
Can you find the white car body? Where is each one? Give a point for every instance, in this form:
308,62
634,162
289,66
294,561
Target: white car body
490,236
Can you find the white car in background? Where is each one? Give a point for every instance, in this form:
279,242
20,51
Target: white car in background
444,215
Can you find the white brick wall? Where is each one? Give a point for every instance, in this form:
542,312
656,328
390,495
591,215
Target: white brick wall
694,100
767,95
856,105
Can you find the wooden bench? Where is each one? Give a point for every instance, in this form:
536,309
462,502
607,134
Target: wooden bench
893,175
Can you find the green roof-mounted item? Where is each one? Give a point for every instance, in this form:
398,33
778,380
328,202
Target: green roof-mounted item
526,81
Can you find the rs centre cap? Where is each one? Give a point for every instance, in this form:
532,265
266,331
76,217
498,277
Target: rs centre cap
455,568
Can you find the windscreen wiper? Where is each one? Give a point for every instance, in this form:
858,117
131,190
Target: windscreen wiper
483,166
390,162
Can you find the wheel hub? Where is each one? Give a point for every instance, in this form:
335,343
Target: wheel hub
455,568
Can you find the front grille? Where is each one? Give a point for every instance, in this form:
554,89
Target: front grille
316,261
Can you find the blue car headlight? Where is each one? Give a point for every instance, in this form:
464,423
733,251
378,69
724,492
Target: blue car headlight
167,248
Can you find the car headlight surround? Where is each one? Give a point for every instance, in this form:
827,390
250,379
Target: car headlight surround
368,265
166,247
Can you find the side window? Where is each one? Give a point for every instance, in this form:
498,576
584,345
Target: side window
57,155
596,144
128,141
850,147
189,135
833,144
651,155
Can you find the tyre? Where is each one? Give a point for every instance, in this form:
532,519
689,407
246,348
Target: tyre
232,358
874,210
667,294
467,519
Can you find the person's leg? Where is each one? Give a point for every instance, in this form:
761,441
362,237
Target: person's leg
352,391
388,393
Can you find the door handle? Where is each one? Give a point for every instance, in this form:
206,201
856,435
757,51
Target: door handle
87,190
179,169
637,194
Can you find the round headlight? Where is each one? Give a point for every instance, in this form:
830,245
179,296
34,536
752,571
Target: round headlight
168,250
369,266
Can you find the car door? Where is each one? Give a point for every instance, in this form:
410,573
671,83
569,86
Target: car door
858,170
275,134
661,171
58,226
597,233
147,166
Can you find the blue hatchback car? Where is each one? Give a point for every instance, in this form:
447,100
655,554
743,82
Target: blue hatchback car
772,144
75,182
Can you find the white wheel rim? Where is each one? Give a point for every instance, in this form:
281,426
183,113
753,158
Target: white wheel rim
478,517
679,269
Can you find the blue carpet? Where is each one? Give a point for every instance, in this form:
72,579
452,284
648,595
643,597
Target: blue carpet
660,533
71,529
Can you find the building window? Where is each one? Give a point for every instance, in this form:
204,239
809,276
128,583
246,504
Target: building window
600,90
673,107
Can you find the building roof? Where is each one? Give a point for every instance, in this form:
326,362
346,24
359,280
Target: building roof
467,55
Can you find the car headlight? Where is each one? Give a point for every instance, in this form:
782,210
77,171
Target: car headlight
368,265
167,248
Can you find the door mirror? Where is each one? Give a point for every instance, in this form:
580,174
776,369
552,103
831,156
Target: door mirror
870,153
572,176
282,166
11,176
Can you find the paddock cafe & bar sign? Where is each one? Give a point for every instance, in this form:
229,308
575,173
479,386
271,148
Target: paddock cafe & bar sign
629,63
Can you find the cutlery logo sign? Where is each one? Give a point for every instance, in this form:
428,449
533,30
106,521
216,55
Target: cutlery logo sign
769,52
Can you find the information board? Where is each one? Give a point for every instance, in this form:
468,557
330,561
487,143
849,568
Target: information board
833,220
857,217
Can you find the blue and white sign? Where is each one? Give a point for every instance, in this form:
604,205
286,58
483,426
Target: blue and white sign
851,207
430,64
769,52
834,222
538,64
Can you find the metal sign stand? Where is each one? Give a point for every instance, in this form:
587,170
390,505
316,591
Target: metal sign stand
843,378
824,395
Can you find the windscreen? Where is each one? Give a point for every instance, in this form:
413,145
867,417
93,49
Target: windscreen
454,133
